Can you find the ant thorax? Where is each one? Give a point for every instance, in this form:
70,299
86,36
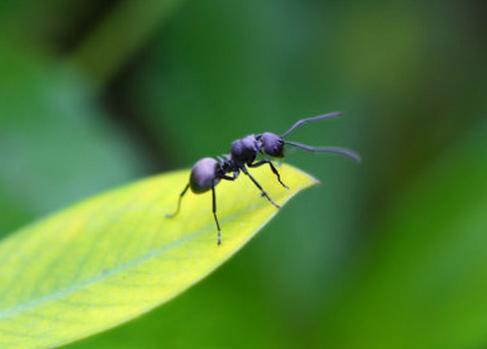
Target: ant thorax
245,150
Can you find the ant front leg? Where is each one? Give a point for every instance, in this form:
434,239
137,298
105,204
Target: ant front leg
264,193
273,169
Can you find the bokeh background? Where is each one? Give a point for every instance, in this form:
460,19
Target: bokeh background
391,253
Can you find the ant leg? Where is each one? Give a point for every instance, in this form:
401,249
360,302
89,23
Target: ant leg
273,168
264,193
169,215
219,239
228,178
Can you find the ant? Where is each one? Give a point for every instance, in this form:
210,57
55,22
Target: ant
207,172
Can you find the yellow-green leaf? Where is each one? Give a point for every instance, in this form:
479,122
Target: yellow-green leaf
115,256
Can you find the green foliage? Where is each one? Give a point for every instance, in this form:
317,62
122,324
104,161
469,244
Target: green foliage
424,284
53,139
115,256
389,254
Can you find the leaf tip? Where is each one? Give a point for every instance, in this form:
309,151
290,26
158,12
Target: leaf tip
309,180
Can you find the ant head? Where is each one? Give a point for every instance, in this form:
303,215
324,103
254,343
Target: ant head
272,144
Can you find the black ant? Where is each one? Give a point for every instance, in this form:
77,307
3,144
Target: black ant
207,172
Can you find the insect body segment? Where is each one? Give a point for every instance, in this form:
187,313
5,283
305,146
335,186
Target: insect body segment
272,144
208,172
204,175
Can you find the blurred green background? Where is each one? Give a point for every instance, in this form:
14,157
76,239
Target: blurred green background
388,254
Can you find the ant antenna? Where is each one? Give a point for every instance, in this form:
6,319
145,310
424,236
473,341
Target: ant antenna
301,122
335,150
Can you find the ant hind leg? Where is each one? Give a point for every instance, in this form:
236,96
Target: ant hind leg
170,215
213,195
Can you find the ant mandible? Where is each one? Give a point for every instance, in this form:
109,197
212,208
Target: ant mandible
207,172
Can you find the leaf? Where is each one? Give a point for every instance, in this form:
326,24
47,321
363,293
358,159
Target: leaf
115,256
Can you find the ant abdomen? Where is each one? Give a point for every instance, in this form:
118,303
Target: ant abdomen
204,175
